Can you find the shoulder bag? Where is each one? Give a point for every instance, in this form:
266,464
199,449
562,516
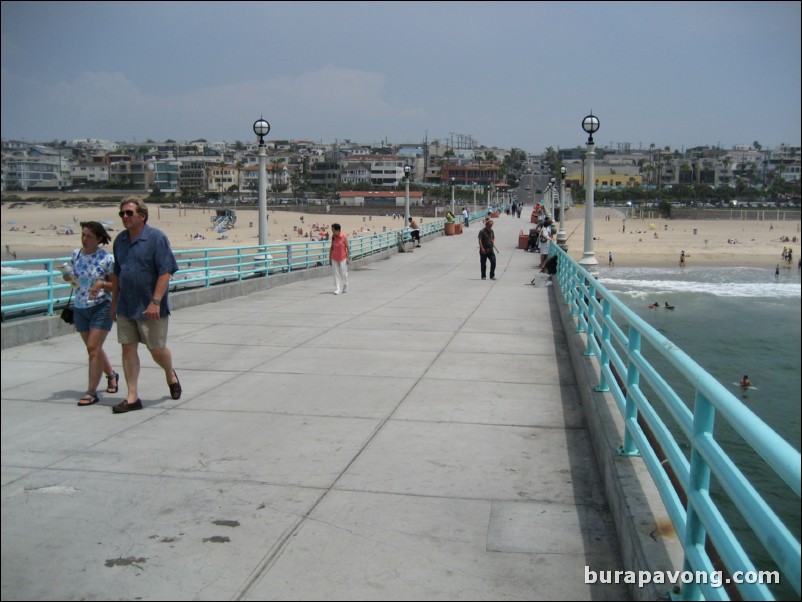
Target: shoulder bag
67,313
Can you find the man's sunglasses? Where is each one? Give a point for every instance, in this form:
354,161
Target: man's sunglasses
127,213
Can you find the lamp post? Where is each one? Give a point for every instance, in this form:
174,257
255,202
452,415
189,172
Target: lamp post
474,197
261,129
546,193
561,237
591,125
407,174
453,180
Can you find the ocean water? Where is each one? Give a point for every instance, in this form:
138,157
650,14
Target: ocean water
733,322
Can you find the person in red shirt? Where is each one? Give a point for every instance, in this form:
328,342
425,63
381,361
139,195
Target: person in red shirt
338,259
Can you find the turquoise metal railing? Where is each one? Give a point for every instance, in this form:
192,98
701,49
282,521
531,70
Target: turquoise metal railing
36,287
689,454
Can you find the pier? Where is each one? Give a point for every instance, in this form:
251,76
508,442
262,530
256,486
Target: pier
423,436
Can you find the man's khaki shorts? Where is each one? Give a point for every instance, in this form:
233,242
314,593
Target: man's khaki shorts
152,333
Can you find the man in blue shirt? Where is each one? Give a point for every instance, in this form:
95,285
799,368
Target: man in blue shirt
143,266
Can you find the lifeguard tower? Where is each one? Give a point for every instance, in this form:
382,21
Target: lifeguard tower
225,219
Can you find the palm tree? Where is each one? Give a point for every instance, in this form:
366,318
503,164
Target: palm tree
648,169
727,162
684,170
220,181
239,165
276,162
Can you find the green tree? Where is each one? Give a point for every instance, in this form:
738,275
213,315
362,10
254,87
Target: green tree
220,189
239,166
685,173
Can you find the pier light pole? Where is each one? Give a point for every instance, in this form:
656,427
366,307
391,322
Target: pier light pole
546,194
591,125
261,129
453,180
561,237
407,174
474,197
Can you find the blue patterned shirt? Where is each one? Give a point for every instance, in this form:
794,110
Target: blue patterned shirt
138,266
87,270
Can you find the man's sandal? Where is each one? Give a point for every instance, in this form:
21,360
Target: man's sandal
88,399
113,388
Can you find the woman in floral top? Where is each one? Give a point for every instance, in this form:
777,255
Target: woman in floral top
91,271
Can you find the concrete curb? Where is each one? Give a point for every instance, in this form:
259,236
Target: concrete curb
645,532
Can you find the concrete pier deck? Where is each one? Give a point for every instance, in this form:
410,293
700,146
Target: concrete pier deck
420,437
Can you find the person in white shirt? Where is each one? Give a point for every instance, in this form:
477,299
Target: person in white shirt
545,240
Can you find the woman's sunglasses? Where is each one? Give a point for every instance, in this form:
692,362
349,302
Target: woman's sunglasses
126,213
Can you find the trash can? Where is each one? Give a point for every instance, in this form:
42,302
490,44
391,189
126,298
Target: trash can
449,228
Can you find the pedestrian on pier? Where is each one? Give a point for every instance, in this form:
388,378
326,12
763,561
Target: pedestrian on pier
90,271
143,265
339,254
487,246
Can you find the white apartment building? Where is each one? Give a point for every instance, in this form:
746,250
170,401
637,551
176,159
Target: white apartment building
89,174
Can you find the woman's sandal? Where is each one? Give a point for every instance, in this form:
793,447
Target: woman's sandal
116,386
88,399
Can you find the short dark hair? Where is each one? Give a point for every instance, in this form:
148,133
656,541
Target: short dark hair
98,230
336,227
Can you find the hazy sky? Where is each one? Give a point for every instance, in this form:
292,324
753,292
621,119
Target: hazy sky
510,74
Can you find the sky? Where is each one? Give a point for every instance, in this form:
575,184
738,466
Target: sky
508,74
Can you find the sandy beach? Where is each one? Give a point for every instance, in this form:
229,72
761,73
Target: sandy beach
35,231
659,242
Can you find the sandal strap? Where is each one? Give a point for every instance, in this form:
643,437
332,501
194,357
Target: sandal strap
89,398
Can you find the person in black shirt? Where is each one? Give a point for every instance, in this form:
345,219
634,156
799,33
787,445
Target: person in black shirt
487,240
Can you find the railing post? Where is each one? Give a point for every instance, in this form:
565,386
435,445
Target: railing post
207,268
698,485
591,312
605,343
633,382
